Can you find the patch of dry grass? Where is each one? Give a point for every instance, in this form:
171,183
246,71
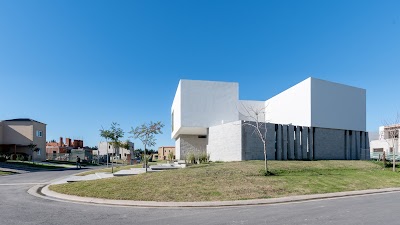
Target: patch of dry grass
3,173
238,180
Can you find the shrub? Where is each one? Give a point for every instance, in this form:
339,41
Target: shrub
21,157
191,158
3,159
203,157
170,156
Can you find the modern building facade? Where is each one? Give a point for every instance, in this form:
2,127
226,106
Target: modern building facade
17,134
106,148
315,119
387,142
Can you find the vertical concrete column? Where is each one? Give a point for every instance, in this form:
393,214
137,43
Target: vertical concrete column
271,139
291,142
347,145
363,150
310,144
297,146
358,146
368,156
304,146
279,142
285,142
353,145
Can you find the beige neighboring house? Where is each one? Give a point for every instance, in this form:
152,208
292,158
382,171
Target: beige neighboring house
17,134
163,152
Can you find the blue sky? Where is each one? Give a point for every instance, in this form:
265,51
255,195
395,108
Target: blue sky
80,65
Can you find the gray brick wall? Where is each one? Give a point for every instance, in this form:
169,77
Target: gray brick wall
252,145
329,144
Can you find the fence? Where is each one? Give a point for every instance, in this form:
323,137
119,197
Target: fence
389,157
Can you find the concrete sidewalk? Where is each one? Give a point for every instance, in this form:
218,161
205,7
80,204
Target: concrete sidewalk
43,191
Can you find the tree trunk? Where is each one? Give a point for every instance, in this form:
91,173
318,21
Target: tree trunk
108,156
112,160
145,158
384,159
394,156
265,157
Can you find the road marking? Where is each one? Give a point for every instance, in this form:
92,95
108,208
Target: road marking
13,184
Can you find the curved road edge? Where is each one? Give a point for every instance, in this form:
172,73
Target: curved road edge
43,191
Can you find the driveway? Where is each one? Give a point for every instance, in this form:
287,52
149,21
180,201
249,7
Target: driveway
18,207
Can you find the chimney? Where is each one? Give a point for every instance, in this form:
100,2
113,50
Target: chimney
68,142
76,144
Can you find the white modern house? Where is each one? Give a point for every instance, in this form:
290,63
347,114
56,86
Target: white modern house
387,142
106,148
315,119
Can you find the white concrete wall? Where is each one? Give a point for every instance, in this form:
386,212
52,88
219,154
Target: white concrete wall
102,149
337,106
386,145
225,142
292,106
178,148
379,144
247,108
204,104
176,111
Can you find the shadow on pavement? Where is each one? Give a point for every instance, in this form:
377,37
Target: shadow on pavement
19,168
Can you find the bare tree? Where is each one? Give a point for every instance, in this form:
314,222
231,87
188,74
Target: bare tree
146,134
257,120
391,136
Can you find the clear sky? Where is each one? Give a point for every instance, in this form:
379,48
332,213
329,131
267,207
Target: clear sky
80,65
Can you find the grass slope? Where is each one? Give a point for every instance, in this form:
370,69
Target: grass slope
239,180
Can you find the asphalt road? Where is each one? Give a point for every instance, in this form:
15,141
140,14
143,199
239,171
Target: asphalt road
18,207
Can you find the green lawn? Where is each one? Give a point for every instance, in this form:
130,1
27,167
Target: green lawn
239,180
35,165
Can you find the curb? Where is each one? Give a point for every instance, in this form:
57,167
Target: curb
44,192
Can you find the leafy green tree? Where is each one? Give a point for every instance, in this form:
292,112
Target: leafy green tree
106,134
146,134
33,149
113,134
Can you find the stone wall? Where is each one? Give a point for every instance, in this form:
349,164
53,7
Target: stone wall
191,144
